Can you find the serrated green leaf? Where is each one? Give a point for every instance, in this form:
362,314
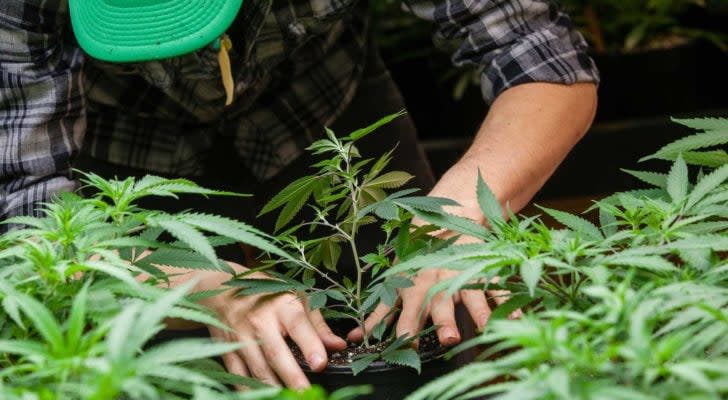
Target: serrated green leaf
454,223
386,211
379,329
189,236
707,185
677,180
177,374
42,318
425,203
608,222
180,258
514,302
692,375
189,314
711,158
112,270
390,180
652,178
531,271
575,223
330,253
181,350
379,165
294,205
362,363
360,133
371,195
489,204
652,263
233,229
690,143
11,308
705,124
317,300
405,357
250,287
336,295
287,194
24,220
77,319
23,348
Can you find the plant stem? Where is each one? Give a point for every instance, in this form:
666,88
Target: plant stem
354,194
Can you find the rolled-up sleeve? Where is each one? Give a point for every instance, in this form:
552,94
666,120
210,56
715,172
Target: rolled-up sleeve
513,41
42,118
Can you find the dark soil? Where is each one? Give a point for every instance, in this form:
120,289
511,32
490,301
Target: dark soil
427,344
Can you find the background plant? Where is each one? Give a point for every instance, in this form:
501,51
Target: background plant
626,26
83,295
634,307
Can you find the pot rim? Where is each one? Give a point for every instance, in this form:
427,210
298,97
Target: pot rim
376,366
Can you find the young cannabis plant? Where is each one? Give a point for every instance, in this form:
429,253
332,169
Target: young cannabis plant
345,193
635,307
82,292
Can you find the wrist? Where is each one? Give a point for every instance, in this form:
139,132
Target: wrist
459,184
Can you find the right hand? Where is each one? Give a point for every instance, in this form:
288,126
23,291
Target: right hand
261,323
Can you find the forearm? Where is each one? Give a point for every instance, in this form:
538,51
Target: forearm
529,130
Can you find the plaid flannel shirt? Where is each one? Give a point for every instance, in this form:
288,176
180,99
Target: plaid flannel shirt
296,65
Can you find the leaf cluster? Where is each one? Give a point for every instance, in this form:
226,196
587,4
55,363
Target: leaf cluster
632,307
344,193
83,293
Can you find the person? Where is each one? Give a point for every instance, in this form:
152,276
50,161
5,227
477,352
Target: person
229,92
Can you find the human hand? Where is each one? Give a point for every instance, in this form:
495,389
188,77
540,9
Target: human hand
261,323
441,309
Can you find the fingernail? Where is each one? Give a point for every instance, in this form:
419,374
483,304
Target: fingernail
450,335
316,361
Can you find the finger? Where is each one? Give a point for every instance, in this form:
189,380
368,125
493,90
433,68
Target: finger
300,329
256,362
502,296
232,361
281,359
443,316
331,341
380,312
413,317
235,365
499,296
477,306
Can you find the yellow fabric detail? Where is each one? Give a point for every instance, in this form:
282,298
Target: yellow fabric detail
225,69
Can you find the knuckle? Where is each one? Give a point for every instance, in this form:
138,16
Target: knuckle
268,380
258,322
259,372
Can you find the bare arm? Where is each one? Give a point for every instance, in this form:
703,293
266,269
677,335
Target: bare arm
529,130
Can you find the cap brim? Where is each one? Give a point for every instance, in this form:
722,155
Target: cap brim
130,31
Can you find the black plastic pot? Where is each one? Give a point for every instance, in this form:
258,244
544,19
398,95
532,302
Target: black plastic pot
387,381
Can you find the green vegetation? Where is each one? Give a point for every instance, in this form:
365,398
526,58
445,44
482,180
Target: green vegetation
82,295
635,307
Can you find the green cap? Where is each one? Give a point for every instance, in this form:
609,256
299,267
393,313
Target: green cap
143,30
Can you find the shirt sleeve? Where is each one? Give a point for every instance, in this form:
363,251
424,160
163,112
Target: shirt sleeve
42,117
513,41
